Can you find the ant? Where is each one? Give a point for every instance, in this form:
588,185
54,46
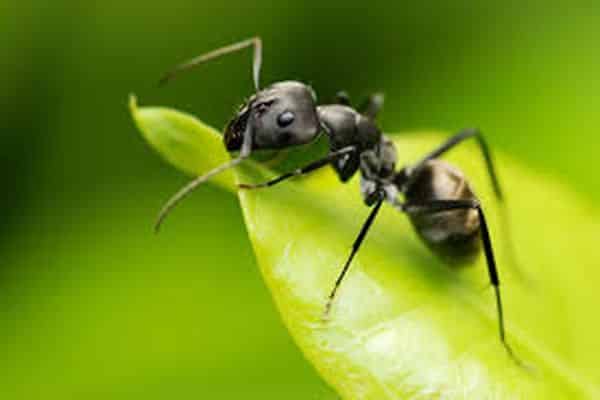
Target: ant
438,200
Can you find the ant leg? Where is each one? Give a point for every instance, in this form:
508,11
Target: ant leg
455,140
436,206
487,155
191,186
342,97
372,105
304,170
255,42
369,108
355,246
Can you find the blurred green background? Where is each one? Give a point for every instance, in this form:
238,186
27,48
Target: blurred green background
92,304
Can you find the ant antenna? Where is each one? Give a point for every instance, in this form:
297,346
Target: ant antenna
191,186
246,148
256,42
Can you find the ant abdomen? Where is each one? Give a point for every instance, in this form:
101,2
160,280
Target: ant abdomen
453,235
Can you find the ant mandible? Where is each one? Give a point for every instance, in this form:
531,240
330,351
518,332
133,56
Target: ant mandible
441,206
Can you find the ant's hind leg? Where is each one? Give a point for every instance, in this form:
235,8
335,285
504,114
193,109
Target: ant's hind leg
436,206
452,142
457,139
303,170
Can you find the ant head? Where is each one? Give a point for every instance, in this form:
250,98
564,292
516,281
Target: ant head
281,115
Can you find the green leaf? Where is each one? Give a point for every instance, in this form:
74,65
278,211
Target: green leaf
179,138
404,325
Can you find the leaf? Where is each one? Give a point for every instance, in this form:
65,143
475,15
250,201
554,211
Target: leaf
179,138
404,325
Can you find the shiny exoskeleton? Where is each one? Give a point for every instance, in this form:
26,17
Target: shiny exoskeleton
442,207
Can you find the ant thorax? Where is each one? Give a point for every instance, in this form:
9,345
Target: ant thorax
346,127
377,167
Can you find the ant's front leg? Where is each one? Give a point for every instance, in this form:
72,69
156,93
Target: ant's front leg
303,170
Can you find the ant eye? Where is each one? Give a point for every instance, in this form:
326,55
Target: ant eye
285,118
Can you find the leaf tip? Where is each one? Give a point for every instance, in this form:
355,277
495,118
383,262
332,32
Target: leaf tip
135,113
132,103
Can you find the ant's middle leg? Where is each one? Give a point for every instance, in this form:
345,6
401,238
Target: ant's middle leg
303,170
355,247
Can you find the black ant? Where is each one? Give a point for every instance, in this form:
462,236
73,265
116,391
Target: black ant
443,209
